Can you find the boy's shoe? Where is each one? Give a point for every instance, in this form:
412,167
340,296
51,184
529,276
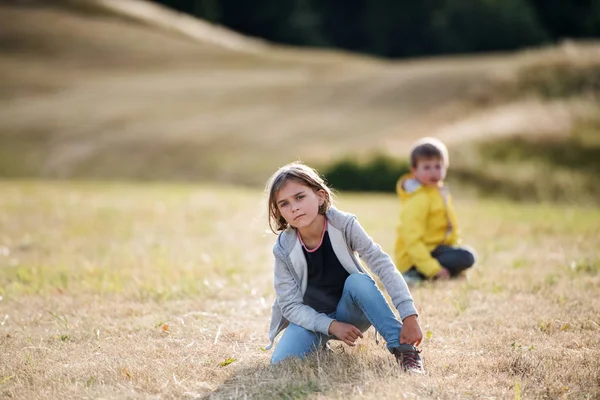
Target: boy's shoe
408,358
412,277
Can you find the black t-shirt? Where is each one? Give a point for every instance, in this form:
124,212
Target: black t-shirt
326,278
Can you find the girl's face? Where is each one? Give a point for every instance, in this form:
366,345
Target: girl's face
299,204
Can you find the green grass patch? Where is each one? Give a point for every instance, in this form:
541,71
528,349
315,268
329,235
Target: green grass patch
561,168
588,266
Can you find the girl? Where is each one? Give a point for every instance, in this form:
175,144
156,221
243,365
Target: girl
323,292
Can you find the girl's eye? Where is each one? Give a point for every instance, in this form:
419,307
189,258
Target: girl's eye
284,204
300,197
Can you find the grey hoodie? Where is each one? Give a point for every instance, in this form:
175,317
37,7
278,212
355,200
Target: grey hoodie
348,239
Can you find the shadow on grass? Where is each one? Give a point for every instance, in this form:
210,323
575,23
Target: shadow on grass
322,373
267,382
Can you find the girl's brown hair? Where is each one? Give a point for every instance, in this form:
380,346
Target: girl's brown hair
304,175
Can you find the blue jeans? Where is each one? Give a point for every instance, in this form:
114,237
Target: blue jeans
362,304
455,259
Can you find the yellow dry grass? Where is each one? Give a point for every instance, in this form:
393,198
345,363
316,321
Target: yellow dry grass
164,291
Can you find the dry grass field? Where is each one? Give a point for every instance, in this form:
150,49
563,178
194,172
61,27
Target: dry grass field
116,290
121,276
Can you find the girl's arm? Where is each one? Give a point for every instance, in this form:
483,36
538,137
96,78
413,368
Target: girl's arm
382,265
290,299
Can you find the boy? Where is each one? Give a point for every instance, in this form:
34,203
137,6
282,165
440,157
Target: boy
427,242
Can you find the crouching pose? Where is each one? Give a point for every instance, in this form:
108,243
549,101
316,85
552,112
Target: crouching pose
322,290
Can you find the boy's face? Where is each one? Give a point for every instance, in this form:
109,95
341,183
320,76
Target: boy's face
429,171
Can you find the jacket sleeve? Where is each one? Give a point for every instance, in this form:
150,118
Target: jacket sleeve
413,220
290,299
382,265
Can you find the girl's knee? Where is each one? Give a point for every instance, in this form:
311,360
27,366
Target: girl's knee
295,342
282,354
355,281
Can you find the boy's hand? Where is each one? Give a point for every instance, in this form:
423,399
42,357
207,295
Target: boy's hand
443,275
345,332
411,331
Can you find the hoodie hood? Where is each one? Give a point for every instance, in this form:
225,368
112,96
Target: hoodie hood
407,186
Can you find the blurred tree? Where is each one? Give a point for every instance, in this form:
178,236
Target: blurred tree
484,25
569,18
207,9
343,24
283,21
402,28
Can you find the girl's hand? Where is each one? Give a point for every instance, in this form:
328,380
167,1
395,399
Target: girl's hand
345,332
411,331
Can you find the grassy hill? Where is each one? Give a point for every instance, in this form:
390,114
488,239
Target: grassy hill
88,90
87,94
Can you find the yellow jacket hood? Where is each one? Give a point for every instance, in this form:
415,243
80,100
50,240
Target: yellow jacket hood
407,186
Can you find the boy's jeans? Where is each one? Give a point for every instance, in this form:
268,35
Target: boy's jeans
362,304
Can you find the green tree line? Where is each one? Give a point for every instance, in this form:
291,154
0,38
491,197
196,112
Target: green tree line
404,28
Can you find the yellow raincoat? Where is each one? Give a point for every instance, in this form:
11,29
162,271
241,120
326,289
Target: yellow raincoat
427,220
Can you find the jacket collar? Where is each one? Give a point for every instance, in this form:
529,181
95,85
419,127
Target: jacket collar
339,246
288,239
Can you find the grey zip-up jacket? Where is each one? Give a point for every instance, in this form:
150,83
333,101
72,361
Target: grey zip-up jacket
348,239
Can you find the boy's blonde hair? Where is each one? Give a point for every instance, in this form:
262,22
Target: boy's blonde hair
429,147
304,175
